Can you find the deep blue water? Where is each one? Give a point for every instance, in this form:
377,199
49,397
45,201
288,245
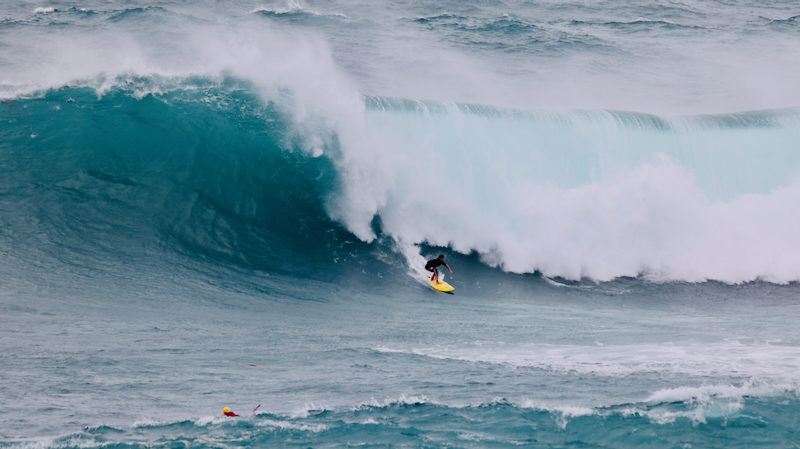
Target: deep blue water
211,204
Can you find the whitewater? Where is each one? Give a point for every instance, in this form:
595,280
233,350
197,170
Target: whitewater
230,203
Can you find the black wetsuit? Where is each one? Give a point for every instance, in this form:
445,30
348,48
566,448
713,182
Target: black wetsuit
433,264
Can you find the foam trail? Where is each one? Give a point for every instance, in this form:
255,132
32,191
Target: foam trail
415,261
772,366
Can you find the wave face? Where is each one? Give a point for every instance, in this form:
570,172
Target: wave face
209,204
119,177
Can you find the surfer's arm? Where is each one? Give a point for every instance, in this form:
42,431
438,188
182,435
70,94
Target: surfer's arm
256,408
448,268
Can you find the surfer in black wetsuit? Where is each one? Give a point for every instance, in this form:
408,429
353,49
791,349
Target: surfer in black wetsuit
432,264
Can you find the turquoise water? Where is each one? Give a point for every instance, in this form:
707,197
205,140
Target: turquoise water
225,204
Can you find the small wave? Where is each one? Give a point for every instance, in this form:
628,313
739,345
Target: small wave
206,420
696,415
500,421
775,364
563,413
311,409
699,405
284,425
44,10
707,393
388,350
439,17
148,422
44,443
296,8
790,22
637,21
645,20
389,402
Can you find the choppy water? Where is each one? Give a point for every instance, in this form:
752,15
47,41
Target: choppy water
209,204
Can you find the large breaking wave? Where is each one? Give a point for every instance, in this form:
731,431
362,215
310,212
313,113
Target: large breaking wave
253,146
222,169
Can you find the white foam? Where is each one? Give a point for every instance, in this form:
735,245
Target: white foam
388,402
563,412
697,412
148,422
763,367
639,218
44,10
43,443
389,350
709,401
705,393
293,426
68,443
306,409
206,420
415,262
294,6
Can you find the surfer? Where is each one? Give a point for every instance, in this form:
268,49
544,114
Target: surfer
227,411
432,264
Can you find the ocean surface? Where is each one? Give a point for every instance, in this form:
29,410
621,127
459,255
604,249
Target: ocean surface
227,203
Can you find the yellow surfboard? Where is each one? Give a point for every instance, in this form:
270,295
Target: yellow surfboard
441,286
